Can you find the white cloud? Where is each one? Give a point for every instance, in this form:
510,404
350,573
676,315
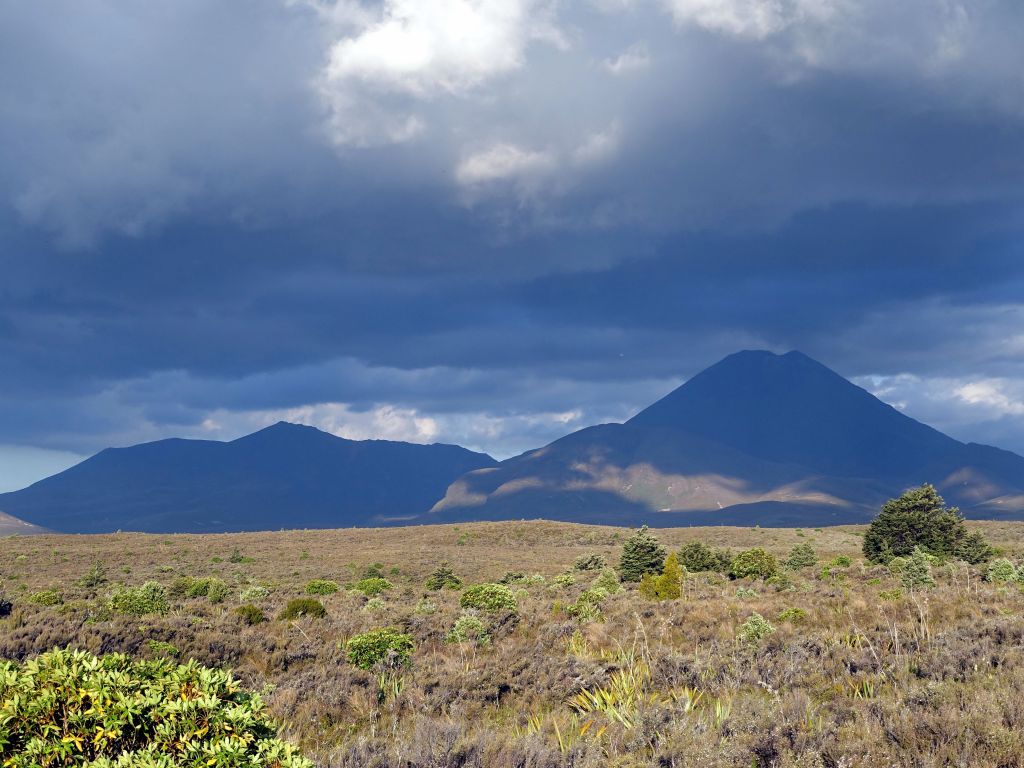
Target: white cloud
503,162
994,395
633,59
754,19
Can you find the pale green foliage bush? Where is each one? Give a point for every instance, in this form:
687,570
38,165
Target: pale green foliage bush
70,708
48,597
608,580
591,562
489,597
375,605
468,627
426,607
322,587
254,593
151,597
793,615
1001,571
387,647
667,586
755,629
374,585
917,572
563,580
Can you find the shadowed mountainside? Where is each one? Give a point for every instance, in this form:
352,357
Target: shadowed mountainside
758,437
284,476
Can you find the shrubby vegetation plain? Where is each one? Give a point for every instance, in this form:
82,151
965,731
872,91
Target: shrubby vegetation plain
800,653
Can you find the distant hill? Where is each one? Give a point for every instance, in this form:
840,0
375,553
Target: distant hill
756,438
10,526
284,476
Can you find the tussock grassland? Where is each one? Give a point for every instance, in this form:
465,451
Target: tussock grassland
851,669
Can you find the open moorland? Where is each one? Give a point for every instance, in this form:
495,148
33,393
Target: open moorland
851,666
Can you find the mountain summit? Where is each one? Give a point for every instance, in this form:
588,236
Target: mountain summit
757,437
284,476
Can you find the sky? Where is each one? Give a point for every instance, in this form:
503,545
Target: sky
493,222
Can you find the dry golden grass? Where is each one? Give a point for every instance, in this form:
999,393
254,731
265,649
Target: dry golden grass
930,679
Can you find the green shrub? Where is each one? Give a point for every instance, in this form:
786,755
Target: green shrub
840,561
754,629
754,563
745,593
641,553
250,614
920,518
802,556
468,627
151,597
443,578
162,648
303,606
425,607
212,588
917,572
793,615
322,587
489,597
46,597
668,585
374,605
563,580
254,593
386,646
217,591
374,585
890,595
512,577
608,580
698,557
591,562
50,715
1001,571
97,576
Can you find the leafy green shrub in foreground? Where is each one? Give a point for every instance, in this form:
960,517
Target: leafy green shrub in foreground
322,587
608,580
151,597
303,606
468,627
755,629
46,597
754,563
1001,571
70,708
489,597
385,646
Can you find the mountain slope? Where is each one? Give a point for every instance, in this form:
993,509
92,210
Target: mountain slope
756,437
285,476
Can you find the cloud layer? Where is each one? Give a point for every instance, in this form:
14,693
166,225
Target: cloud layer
493,222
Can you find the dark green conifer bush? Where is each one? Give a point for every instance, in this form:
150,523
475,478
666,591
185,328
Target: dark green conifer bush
303,607
802,556
920,518
641,553
443,578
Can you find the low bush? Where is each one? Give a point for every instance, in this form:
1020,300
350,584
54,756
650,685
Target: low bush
250,614
754,563
443,578
70,708
591,562
698,557
917,572
374,605
254,593
608,580
563,580
322,587
387,647
373,585
1001,571
97,576
489,597
793,615
468,627
46,597
303,607
754,629
802,556
150,598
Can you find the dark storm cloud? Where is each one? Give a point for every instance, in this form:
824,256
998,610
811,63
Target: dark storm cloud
213,219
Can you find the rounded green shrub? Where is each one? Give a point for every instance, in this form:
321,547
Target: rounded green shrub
1001,571
303,607
250,614
151,597
802,556
754,563
697,557
386,646
590,562
489,597
793,615
46,597
608,580
254,593
373,586
468,627
754,629
322,587
70,708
